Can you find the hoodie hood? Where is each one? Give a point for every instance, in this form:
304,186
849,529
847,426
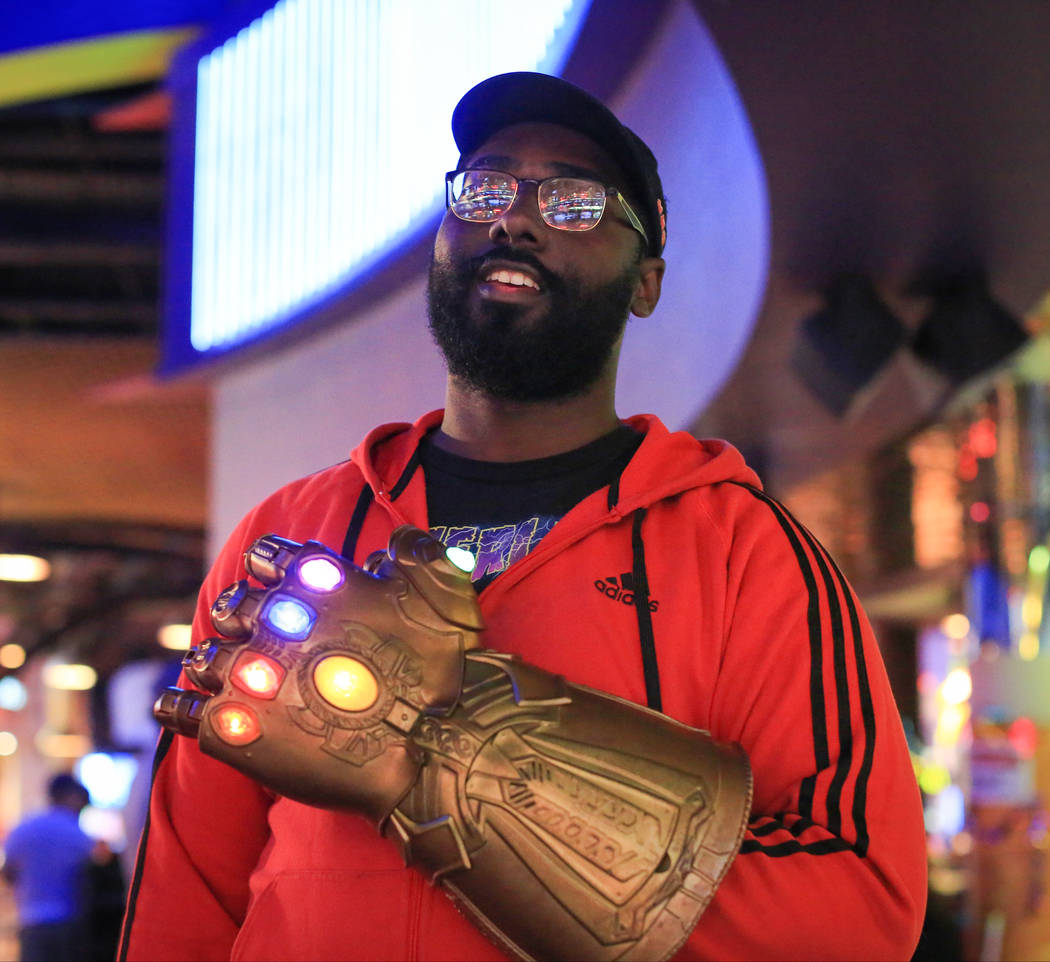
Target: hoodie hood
694,464
666,464
388,457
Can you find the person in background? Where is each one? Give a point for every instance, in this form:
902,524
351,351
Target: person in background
46,860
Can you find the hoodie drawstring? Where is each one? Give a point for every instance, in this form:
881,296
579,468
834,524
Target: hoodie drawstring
357,521
645,619
364,502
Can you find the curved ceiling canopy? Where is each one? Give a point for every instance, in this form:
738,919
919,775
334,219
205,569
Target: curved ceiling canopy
305,146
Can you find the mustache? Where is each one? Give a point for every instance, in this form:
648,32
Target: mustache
549,279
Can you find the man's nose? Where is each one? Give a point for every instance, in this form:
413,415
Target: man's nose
521,222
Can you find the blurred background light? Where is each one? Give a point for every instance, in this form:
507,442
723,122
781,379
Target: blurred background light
956,625
12,655
957,687
1039,559
68,677
57,745
24,567
107,777
175,637
13,695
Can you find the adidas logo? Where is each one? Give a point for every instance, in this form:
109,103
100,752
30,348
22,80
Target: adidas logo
622,589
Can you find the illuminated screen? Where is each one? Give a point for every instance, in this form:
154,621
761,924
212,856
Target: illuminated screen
107,777
319,136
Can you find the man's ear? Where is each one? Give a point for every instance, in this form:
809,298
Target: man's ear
647,293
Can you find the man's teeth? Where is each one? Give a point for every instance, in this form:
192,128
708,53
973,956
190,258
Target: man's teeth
513,277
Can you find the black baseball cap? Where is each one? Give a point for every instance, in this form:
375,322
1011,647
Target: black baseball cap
518,98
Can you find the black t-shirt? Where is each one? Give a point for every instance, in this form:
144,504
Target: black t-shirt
500,511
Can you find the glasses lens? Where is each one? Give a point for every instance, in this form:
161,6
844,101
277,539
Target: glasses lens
481,195
569,203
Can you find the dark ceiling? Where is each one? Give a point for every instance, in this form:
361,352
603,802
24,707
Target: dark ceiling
904,142
80,220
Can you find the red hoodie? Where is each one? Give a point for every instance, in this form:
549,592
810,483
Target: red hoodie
758,639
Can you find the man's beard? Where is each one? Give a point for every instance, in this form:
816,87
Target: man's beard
558,355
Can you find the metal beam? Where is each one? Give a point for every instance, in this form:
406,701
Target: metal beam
18,253
69,148
32,312
87,187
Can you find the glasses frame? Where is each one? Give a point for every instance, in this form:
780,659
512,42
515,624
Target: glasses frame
632,218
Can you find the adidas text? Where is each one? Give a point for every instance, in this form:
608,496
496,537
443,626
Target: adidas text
615,591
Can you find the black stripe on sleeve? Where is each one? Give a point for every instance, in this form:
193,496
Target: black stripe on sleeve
867,712
845,722
767,825
858,809
821,754
825,846
833,581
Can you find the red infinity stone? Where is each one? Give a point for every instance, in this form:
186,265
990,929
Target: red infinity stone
257,675
236,724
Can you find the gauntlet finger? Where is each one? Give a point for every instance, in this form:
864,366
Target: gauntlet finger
233,612
428,565
207,664
270,557
180,711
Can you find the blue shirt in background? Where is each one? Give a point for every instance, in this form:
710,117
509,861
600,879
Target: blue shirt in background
49,853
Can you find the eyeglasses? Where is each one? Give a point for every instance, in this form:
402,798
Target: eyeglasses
566,203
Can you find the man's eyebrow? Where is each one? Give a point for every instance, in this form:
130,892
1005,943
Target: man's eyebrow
503,162
575,170
490,162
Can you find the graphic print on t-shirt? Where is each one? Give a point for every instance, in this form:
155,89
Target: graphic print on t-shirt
495,547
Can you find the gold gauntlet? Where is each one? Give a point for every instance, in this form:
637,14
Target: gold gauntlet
566,823
570,824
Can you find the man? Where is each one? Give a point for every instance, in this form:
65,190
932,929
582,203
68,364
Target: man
46,859
637,562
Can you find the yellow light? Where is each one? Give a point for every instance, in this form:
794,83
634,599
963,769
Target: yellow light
1028,646
1039,559
70,677
175,637
8,743
950,723
934,778
346,683
956,626
23,567
1032,611
63,746
12,655
957,687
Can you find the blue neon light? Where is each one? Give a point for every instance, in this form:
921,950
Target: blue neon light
290,617
321,132
108,777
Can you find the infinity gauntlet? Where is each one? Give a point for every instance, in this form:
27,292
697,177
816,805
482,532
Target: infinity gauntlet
566,823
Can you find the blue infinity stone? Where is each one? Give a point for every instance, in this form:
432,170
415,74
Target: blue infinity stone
289,617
